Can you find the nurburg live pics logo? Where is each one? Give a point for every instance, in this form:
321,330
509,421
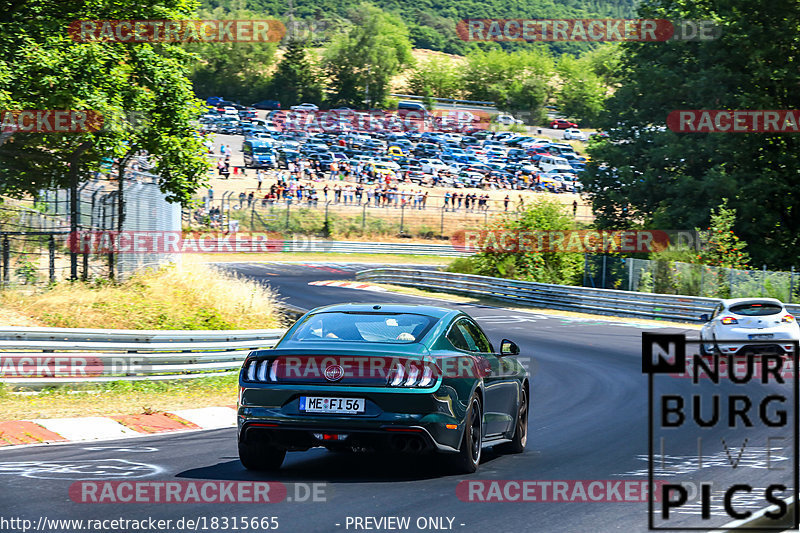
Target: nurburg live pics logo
721,412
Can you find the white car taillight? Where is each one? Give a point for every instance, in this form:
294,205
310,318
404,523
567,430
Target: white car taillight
787,318
727,320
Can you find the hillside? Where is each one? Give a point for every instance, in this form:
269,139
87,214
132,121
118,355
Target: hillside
432,23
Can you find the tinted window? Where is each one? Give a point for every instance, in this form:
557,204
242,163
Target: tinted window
364,327
756,309
481,341
460,336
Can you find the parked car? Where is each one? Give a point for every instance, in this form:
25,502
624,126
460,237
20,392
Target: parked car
561,123
270,105
304,107
574,134
507,120
415,358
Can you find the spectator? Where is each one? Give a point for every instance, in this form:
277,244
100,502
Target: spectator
242,198
250,198
506,200
260,178
575,208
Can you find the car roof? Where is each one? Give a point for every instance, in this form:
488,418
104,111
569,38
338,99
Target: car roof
419,309
733,301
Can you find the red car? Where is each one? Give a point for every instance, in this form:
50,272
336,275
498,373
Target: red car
560,123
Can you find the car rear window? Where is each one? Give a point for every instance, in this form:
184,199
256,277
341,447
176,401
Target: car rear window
364,327
756,309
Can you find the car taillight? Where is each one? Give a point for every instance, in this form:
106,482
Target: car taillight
728,320
787,318
261,371
412,374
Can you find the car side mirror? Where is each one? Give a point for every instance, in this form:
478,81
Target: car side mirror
508,347
704,317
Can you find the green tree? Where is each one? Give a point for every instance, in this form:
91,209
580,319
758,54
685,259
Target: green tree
296,79
41,67
362,61
438,78
234,70
722,247
517,81
540,266
582,93
649,174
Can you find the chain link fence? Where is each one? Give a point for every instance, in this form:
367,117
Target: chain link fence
673,277
348,218
35,243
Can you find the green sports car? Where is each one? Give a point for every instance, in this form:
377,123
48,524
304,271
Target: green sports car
388,377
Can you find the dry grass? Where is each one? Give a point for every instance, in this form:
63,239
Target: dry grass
190,296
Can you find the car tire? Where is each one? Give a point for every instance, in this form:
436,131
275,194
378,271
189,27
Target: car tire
520,439
468,458
260,457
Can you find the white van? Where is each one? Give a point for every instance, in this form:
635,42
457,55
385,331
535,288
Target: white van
548,163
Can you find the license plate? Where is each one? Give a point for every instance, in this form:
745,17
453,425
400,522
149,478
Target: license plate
320,404
756,336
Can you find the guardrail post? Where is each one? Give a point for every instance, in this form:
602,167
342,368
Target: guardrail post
364,219
603,277
791,285
763,278
51,249
85,275
6,259
402,216
288,208
585,266
441,227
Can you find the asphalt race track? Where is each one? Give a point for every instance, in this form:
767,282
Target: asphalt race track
589,421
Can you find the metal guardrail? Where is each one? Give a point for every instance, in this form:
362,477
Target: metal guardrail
447,100
563,297
40,357
356,247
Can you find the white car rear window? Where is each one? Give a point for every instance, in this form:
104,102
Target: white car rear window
756,309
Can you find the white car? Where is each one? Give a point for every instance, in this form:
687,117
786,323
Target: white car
230,110
304,107
429,165
507,120
748,319
574,134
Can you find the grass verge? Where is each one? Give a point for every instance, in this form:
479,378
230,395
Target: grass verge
120,397
190,296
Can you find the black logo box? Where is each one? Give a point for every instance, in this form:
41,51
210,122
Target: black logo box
678,366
